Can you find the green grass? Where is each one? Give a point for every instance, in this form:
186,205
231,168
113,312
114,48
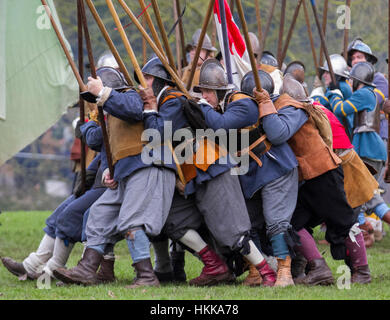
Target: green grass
21,232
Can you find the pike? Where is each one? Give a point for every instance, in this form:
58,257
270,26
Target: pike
200,41
387,176
109,42
177,36
281,29
269,20
81,101
313,50
290,31
324,21
248,45
181,32
94,75
346,31
258,19
164,37
159,54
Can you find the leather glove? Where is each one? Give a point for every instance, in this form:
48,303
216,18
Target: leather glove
333,86
263,99
89,181
149,99
386,106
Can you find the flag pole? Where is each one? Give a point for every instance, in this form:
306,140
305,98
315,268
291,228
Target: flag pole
228,63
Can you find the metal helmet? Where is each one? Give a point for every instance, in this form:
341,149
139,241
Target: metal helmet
255,43
155,68
248,82
112,78
206,42
297,70
107,60
359,45
213,76
268,58
363,72
339,66
294,89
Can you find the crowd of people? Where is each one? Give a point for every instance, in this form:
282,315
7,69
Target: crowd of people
315,159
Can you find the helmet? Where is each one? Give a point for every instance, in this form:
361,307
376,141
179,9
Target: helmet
155,68
294,88
107,60
297,70
363,72
248,82
269,59
255,43
213,76
206,42
112,78
359,45
339,66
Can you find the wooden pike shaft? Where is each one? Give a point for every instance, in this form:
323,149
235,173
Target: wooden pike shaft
324,22
81,101
126,43
281,30
248,45
173,74
290,31
258,20
269,20
323,43
387,176
200,41
110,43
151,26
94,75
177,36
181,31
164,37
76,73
313,49
346,32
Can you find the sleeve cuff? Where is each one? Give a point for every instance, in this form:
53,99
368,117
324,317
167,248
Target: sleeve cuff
103,96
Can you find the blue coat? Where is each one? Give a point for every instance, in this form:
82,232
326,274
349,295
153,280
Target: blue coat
345,89
367,144
279,160
381,91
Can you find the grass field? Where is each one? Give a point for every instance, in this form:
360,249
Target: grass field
21,232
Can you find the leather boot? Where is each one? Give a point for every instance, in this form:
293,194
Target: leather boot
85,271
215,270
298,266
145,275
360,274
319,274
284,277
254,278
267,273
178,262
106,272
17,269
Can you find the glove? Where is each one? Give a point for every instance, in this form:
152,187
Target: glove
149,99
386,106
333,86
264,102
89,181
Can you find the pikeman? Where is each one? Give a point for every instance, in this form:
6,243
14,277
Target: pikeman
138,197
213,195
206,52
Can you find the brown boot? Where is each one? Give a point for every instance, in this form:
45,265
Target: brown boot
215,270
17,269
319,274
85,271
106,272
284,277
145,275
254,278
360,274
